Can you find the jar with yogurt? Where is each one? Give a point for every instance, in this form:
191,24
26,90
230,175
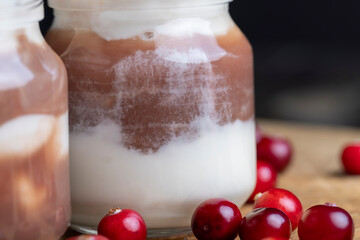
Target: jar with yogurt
34,166
161,108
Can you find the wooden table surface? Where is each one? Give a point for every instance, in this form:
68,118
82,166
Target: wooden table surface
315,174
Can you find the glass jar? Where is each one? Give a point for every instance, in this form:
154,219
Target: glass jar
34,166
161,108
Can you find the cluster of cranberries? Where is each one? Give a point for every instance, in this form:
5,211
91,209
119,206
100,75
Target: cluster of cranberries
274,155
276,214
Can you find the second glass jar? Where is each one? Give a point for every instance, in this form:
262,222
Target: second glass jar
161,108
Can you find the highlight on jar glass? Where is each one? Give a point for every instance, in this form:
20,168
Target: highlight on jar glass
34,166
161,108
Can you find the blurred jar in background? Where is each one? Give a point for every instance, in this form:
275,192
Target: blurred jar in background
161,108
34,167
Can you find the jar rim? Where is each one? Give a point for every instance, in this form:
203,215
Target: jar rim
101,5
19,12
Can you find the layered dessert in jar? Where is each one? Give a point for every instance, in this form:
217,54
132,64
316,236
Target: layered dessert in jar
34,167
161,107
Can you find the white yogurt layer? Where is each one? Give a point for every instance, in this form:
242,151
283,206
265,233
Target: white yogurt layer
113,24
130,4
25,135
166,186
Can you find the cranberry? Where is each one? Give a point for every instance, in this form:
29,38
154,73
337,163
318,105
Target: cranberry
326,222
275,150
88,237
125,224
283,200
258,134
351,158
265,179
265,222
216,218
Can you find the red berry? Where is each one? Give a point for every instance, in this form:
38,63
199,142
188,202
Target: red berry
275,150
283,200
216,219
351,158
125,224
265,222
265,179
258,134
88,237
326,222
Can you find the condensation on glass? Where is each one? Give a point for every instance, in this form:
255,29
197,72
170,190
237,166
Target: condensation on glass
34,166
161,107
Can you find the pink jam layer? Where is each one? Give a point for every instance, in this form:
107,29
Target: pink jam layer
155,88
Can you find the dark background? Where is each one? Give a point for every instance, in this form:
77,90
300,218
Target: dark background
307,58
